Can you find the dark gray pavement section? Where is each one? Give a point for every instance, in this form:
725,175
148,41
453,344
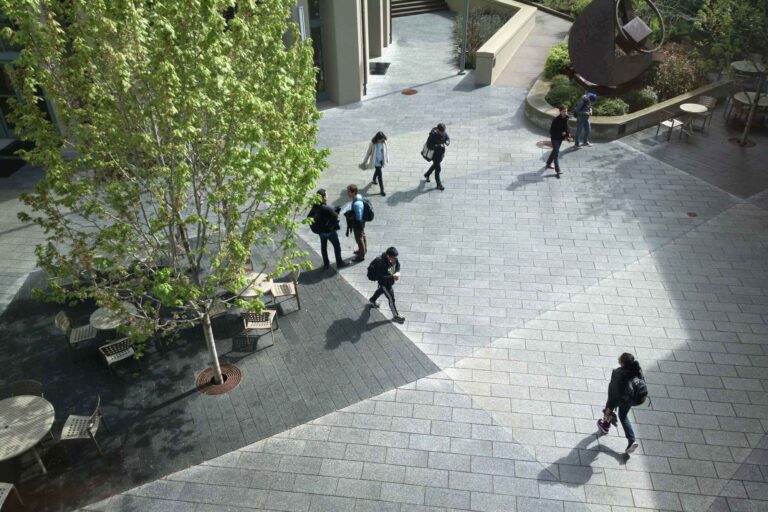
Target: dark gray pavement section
332,353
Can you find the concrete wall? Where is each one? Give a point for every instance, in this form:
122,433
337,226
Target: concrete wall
345,64
496,53
376,28
540,113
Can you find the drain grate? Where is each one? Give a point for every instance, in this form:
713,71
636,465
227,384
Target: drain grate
544,144
206,386
693,214
409,92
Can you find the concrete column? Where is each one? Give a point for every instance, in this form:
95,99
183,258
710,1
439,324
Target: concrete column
375,28
345,64
387,21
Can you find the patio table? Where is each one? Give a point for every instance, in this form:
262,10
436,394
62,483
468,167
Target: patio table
261,285
24,421
692,110
746,98
105,319
748,67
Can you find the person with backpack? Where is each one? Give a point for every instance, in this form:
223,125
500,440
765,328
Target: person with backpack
325,223
627,388
359,212
385,270
583,111
437,141
376,157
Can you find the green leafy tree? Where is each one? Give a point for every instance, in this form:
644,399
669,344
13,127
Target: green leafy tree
188,138
732,28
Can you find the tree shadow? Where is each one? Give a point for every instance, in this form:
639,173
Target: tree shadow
579,463
351,330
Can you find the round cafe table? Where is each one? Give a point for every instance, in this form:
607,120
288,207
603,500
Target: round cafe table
262,284
748,67
746,98
693,110
105,319
24,421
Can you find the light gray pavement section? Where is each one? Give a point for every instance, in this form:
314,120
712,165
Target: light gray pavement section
525,289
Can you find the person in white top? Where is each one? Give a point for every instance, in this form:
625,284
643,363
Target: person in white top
376,157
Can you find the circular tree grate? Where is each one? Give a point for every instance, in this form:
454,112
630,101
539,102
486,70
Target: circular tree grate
206,386
409,92
693,214
544,144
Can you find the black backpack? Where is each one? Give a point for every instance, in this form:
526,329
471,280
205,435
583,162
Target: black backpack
637,391
372,269
367,210
314,214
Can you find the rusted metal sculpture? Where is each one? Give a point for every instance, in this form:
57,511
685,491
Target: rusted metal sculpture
610,46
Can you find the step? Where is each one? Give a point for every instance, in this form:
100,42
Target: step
411,7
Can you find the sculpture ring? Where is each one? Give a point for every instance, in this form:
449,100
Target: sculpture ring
626,36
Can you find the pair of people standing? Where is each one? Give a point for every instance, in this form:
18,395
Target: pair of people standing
326,224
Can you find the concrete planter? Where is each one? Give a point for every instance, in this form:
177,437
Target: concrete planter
540,113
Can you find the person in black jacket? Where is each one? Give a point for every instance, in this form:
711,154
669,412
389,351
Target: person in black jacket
328,224
385,269
558,132
618,397
437,141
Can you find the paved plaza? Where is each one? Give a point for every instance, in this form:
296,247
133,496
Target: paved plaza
522,290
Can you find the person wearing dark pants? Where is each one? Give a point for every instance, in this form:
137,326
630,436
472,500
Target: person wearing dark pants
385,270
328,225
558,132
618,398
377,157
437,141
358,222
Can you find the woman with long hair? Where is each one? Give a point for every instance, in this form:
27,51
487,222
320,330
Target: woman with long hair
376,157
619,397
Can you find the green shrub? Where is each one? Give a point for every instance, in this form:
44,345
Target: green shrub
570,7
480,28
609,107
640,99
563,94
560,80
557,60
681,71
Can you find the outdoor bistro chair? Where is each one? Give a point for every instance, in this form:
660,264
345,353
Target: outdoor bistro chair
290,289
74,335
670,123
26,387
710,103
116,351
85,427
259,321
5,491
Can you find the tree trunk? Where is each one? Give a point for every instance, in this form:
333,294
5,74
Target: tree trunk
217,378
752,110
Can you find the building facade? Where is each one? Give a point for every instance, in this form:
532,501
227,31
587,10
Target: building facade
345,35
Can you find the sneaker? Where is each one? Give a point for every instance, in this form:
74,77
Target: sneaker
588,144
603,426
374,305
356,252
426,177
577,145
440,187
383,194
399,319
557,175
631,447
614,420
341,264
550,167
326,266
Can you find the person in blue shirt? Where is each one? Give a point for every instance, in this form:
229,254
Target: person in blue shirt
358,223
583,111
376,157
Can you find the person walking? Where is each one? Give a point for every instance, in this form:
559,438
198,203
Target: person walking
437,141
558,132
385,270
358,221
583,111
376,157
620,397
327,219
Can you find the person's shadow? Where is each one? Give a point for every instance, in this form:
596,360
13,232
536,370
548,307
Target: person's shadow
347,329
406,196
528,178
579,461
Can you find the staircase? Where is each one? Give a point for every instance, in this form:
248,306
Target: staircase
410,7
